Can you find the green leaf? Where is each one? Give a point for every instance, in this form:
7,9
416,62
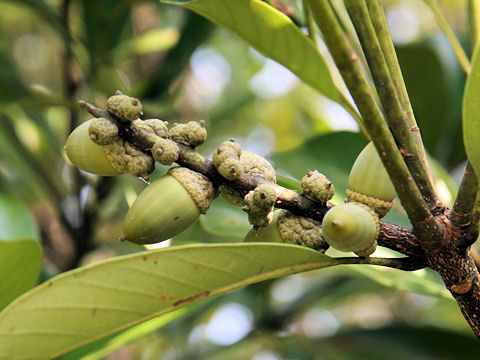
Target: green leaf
226,220
15,220
471,113
273,34
435,82
420,343
420,281
21,261
20,252
103,347
88,303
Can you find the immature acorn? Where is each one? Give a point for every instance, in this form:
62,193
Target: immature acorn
289,228
168,206
87,155
369,182
351,227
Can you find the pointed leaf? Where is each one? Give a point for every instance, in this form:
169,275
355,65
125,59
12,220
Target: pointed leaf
88,303
271,33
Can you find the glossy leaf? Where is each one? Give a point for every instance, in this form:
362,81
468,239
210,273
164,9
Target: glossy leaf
88,303
271,33
471,113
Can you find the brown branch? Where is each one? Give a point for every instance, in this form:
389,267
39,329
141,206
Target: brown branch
395,237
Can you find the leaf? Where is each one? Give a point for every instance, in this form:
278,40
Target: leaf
421,343
420,281
21,261
271,33
471,113
20,252
88,303
103,347
15,220
226,220
434,82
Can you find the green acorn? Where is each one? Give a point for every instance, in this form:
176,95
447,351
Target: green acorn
87,155
369,182
168,206
351,227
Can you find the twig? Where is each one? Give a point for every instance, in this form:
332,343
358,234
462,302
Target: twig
457,48
310,22
462,211
474,20
417,163
395,237
426,227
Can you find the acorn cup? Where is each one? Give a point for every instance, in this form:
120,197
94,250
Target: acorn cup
168,206
351,227
87,155
289,228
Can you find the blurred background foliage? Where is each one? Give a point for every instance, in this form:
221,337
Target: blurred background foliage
54,52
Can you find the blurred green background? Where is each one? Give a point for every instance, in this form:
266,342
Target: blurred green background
53,53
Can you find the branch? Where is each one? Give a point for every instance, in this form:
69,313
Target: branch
462,211
395,237
404,126
474,20
430,233
457,48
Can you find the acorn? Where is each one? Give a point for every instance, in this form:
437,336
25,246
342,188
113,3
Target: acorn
351,227
87,155
289,228
168,206
369,182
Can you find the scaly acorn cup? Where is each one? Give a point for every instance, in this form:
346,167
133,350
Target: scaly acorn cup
351,227
369,182
289,228
316,186
124,107
87,155
168,206
251,164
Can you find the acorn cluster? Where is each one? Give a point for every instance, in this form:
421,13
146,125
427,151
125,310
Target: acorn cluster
174,202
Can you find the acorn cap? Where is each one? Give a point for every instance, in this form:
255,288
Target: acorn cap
381,207
124,107
317,186
87,155
269,233
161,211
302,231
102,131
197,185
254,164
